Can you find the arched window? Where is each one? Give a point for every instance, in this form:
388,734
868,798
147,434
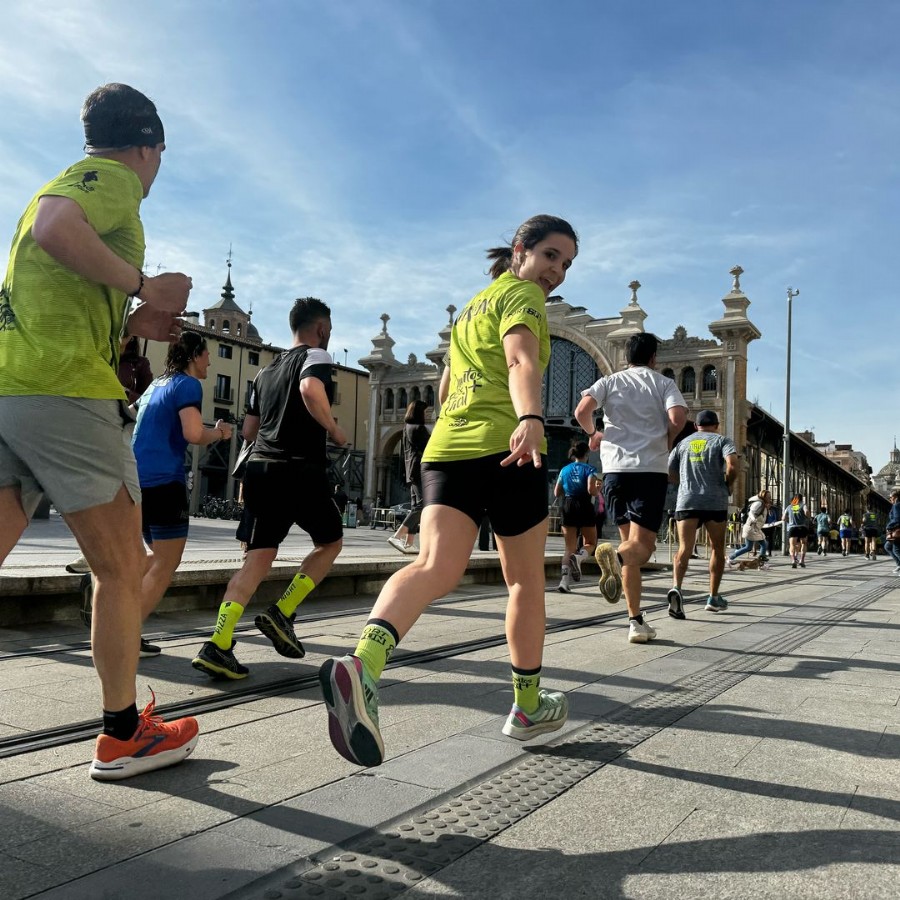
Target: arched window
710,378
238,329
429,395
212,324
226,326
688,381
570,371
402,402
388,400
416,394
668,373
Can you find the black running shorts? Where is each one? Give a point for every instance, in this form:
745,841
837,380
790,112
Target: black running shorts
513,497
165,512
578,512
638,497
280,494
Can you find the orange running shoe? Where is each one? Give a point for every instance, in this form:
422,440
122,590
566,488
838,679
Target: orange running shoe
154,745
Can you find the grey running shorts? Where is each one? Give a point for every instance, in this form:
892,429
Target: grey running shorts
76,451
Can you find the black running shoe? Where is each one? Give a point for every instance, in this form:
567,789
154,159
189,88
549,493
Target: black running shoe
279,629
148,649
219,663
676,603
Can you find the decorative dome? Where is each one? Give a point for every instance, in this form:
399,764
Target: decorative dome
892,469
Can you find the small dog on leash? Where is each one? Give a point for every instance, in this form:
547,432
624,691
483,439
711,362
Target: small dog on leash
743,564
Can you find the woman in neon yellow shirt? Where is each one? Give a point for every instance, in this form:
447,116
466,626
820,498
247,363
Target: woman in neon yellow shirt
485,457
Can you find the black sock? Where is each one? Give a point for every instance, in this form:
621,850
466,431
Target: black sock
639,618
121,725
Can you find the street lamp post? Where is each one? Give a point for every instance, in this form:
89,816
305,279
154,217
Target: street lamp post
786,460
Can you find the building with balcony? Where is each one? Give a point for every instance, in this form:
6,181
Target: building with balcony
237,353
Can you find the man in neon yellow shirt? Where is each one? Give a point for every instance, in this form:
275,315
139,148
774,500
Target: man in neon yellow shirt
65,430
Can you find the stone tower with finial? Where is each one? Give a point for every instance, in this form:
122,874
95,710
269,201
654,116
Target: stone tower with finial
227,318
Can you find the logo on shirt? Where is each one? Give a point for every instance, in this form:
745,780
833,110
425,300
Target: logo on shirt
7,316
87,178
463,390
696,451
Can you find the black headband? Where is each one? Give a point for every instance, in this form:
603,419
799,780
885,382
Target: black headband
138,130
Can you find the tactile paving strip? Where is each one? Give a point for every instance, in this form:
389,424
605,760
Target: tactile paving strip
385,863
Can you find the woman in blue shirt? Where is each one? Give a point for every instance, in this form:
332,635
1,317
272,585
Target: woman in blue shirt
168,419
577,485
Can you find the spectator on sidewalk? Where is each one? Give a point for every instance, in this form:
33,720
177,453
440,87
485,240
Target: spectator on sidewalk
752,530
413,441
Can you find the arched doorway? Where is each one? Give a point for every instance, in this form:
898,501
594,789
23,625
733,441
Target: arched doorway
570,371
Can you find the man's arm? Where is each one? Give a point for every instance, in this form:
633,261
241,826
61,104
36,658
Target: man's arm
312,390
674,467
62,230
584,415
250,428
731,470
677,417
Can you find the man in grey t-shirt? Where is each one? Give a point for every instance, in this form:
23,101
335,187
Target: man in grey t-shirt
704,466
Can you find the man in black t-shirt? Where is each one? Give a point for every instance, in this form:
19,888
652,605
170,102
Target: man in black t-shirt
286,483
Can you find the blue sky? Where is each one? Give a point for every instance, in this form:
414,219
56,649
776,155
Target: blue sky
368,152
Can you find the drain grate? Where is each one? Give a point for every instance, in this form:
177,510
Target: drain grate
385,863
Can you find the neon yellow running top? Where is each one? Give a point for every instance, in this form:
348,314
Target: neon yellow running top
478,417
59,332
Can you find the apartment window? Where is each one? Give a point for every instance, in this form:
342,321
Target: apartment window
224,351
253,358
223,389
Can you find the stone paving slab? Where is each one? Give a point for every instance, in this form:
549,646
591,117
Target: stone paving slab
265,780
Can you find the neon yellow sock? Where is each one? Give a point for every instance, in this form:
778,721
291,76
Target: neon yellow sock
229,613
376,644
525,686
297,592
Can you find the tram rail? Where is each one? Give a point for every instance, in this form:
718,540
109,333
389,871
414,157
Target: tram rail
47,738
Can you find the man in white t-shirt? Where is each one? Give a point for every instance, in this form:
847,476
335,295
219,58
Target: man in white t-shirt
642,413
